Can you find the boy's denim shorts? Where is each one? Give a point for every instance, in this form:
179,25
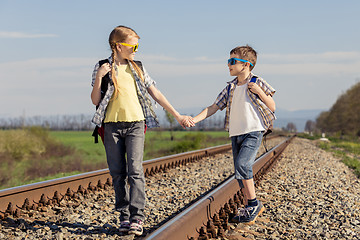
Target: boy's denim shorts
245,148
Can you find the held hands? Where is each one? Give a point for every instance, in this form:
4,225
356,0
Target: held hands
186,121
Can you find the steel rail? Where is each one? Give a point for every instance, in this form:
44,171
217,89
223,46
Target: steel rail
43,193
187,224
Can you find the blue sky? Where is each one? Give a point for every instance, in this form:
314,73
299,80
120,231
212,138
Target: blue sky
308,51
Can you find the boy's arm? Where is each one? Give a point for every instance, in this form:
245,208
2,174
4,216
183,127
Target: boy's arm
267,99
207,112
161,99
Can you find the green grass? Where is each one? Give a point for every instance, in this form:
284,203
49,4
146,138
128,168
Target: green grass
307,136
159,143
34,154
347,151
28,154
83,142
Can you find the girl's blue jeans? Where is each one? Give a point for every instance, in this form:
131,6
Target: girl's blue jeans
126,139
245,148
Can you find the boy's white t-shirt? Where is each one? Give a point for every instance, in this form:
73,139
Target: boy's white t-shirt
244,118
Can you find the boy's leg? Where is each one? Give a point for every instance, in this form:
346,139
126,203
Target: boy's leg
249,189
236,144
245,148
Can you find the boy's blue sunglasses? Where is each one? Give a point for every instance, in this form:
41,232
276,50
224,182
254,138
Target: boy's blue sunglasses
232,61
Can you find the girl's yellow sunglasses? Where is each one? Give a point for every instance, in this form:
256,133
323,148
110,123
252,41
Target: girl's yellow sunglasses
135,47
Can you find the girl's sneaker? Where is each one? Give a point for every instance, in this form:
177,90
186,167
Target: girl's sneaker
124,226
136,227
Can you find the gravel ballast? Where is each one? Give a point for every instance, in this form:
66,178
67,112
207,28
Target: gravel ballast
308,194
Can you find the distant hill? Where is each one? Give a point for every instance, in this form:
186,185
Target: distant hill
298,117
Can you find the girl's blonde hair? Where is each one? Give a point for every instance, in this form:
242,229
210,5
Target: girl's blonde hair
120,35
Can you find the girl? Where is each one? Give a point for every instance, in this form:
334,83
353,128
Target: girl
124,108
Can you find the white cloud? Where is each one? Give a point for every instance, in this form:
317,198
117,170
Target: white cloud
24,78
319,64
43,63
318,69
157,58
326,57
47,86
270,64
55,82
25,35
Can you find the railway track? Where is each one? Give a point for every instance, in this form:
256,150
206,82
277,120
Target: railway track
209,216
33,196
36,196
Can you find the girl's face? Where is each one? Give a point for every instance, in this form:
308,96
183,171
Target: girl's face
126,52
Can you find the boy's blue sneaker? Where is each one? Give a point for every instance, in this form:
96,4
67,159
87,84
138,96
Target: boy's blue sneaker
248,214
124,226
241,212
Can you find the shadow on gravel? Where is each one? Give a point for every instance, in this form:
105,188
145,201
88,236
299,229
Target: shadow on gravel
61,230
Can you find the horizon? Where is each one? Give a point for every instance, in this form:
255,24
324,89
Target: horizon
281,122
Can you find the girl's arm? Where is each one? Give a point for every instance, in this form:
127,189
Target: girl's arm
96,91
184,121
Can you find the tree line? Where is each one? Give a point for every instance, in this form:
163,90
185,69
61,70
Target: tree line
79,122
82,122
344,116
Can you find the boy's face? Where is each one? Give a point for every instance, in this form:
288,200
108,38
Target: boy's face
239,67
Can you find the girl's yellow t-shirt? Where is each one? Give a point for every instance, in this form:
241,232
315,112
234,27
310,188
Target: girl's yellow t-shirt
126,106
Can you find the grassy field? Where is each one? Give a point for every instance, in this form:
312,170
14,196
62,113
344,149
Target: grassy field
157,143
83,142
34,154
349,152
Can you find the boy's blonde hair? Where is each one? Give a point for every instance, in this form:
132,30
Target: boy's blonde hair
120,35
246,53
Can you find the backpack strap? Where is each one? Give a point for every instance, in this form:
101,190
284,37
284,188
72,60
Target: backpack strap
95,134
101,62
139,65
253,79
105,80
104,86
269,130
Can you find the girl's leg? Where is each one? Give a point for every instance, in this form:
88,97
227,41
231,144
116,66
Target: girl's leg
115,154
135,138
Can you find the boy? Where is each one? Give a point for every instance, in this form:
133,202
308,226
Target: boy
249,114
